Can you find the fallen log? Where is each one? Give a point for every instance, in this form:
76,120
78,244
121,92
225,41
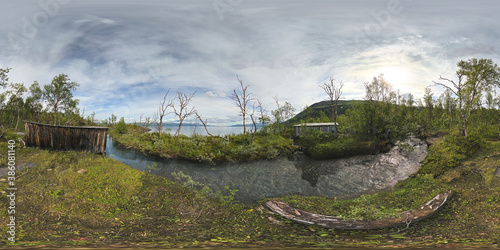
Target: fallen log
408,217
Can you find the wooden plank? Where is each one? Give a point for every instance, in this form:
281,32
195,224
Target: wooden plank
91,139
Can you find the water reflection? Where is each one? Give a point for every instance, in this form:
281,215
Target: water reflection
256,180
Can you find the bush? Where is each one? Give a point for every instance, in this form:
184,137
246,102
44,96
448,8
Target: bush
121,127
341,147
310,137
449,152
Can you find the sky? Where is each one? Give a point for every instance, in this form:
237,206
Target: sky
127,54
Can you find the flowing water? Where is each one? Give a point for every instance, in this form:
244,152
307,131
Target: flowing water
297,174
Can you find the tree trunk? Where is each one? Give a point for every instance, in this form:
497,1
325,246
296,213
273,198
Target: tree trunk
17,123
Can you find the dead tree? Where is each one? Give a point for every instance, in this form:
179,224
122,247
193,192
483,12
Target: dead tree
254,124
163,110
334,95
204,123
263,118
182,112
242,99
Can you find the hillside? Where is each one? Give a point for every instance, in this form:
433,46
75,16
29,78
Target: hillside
319,109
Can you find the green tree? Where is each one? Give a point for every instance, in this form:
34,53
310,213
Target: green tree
4,78
59,95
33,103
281,114
379,99
121,126
112,120
16,100
473,77
429,105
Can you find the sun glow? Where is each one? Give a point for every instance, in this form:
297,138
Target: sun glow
398,77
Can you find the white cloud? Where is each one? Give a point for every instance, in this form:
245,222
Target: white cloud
126,62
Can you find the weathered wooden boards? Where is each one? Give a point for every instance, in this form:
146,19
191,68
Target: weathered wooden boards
407,217
90,139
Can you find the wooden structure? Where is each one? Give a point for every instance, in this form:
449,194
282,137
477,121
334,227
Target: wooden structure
403,218
90,139
324,127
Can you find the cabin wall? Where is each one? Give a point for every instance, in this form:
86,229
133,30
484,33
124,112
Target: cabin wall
89,139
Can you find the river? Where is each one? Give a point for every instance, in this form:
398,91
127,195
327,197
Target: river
297,174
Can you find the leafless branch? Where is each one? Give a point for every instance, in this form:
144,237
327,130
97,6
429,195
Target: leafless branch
162,110
182,111
242,101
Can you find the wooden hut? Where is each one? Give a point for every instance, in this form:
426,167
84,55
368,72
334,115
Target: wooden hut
89,139
323,127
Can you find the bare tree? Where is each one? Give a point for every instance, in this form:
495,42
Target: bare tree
263,118
163,110
334,93
182,112
242,99
204,123
254,124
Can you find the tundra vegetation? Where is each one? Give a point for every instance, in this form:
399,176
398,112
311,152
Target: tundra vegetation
129,207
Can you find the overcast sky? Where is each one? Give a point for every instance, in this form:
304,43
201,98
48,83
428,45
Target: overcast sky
126,54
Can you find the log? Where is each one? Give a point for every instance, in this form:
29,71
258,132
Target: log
301,216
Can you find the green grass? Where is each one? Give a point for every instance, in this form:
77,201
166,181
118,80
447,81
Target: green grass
57,195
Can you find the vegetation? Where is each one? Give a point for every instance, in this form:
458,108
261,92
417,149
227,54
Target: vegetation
132,208
209,149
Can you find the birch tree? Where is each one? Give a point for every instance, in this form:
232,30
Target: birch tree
242,98
472,78
334,93
163,110
182,111
59,95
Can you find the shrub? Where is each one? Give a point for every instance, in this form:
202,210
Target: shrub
121,127
310,137
341,147
449,152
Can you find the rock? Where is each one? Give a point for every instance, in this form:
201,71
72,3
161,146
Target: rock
81,171
497,173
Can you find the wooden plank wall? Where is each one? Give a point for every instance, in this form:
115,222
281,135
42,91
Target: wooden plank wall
90,139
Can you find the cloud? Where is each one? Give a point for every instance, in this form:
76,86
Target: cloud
126,56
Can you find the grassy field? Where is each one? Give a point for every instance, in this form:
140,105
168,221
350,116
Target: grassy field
81,199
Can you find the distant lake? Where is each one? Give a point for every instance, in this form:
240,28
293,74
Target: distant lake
200,130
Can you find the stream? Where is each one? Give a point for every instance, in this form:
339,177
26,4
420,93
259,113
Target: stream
297,174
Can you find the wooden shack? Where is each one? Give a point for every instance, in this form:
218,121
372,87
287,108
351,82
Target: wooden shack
323,127
89,139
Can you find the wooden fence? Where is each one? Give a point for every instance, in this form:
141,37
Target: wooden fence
90,139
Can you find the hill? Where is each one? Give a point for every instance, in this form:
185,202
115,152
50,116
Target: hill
319,109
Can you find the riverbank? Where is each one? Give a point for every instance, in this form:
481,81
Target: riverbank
297,174
134,208
209,149
264,144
